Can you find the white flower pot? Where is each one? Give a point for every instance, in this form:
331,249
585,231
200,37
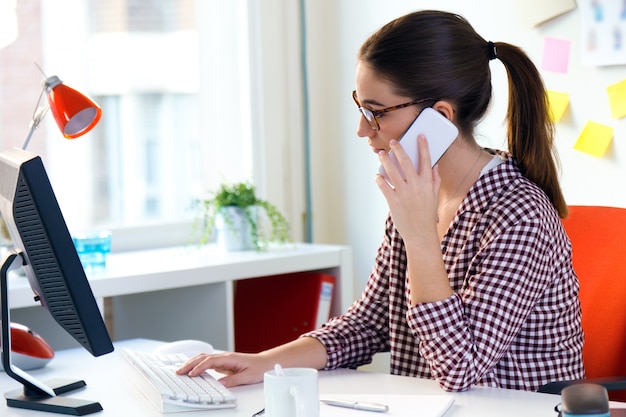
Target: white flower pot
233,230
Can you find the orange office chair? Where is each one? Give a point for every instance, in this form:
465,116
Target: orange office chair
598,236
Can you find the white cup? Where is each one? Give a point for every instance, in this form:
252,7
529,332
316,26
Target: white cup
293,394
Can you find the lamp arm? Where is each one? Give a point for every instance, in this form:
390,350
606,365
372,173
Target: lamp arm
38,115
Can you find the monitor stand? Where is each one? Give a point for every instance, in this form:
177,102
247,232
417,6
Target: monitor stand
21,398
34,396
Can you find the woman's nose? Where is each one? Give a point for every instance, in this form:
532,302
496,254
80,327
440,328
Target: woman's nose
363,128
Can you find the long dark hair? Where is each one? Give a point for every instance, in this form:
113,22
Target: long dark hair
438,54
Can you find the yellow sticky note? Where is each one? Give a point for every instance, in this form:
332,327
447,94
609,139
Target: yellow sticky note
617,99
558,104
594,139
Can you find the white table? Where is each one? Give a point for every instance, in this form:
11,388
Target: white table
107,385
184,292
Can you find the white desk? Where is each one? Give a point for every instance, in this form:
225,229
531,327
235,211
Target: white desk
183,293
107,385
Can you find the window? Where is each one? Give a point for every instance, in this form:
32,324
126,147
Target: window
175,100
146,155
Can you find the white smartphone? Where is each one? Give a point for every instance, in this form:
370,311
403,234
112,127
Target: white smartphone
439,132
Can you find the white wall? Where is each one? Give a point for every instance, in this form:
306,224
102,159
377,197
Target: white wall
347,206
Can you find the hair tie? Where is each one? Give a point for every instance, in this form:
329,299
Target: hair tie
492,51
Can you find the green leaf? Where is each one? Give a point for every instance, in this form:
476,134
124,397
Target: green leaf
241,195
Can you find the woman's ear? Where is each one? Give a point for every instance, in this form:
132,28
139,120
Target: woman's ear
445,108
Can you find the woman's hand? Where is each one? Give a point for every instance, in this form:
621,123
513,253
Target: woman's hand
413,200
248,368
238,368
413,206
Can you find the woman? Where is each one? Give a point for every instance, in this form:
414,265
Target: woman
473,282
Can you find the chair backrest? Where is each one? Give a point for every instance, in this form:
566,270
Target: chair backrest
598,236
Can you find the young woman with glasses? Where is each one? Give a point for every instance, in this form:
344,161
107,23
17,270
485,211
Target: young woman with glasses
473,281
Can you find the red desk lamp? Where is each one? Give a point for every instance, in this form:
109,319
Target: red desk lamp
74,113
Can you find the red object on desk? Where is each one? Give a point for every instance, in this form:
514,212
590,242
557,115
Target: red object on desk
273,310
27,342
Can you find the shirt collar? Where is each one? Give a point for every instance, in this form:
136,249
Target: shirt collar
491,185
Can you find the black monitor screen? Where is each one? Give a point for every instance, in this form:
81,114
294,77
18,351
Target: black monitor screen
48,256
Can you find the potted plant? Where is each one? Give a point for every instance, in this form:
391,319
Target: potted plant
235,213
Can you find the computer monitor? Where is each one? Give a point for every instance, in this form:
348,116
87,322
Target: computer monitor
46,252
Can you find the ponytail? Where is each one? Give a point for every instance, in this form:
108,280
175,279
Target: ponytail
530,130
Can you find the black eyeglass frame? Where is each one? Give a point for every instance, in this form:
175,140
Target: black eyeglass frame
371,115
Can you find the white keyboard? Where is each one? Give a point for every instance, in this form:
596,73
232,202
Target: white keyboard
155,376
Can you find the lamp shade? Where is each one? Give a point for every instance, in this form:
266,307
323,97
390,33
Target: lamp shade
74,113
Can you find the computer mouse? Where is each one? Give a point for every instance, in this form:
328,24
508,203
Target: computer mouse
188,347
28,349
585,399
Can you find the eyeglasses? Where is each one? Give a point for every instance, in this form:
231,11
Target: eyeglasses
372,115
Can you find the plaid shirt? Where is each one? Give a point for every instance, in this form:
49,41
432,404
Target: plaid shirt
514,318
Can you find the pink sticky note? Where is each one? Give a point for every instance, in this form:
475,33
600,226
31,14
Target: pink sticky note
556,55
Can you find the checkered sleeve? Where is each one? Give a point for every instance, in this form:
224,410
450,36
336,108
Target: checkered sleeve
485,322
353,338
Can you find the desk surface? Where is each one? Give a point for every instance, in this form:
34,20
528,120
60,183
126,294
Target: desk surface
106,384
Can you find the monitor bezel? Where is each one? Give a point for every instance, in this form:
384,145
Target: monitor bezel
45,250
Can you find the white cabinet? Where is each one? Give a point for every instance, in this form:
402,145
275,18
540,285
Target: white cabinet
184,292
